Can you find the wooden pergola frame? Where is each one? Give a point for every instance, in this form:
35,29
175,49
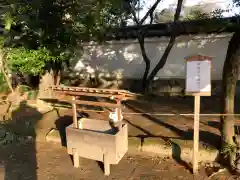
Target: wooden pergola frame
76,92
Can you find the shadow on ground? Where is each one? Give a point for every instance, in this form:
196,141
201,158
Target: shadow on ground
176,155
18,156
206,137
217,125
63,122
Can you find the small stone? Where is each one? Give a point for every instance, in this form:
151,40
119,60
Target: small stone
29,137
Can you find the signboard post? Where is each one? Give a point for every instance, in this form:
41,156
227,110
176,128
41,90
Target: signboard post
198,83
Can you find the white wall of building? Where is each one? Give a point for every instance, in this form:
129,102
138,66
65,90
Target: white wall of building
123,58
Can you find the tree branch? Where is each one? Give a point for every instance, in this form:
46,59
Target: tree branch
7,79
135,19
168,49
150,11
151,18
178,11
145,58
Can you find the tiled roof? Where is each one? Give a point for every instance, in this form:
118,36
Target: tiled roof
182,28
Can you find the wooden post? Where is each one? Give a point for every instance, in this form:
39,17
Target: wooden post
196,133
198,83
75,154
75,158
2,172
74,108
119,114
106,165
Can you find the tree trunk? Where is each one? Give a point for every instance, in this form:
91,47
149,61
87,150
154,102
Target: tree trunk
162,61
7,79
5,74
46,81
57,78
229,81
168,49
145,58
141,36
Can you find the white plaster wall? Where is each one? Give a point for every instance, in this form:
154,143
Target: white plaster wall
123,58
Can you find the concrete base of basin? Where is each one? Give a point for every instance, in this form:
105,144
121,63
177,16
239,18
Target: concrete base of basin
97,140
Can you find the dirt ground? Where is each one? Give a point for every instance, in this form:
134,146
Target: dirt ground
145,118
35,159
179,127
43,161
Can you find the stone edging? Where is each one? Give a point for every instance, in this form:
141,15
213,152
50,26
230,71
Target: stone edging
181,149
157,146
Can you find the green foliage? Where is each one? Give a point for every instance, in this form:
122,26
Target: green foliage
236,2
27,60
57,25
23,88
3,85
164,16
194,13
32,95
198,13
9,20
218,13
93,23
228,150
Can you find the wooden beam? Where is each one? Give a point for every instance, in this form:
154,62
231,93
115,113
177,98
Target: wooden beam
84,89
119,94
92,103
91,94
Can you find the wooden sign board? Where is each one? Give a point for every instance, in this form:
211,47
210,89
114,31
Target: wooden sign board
198,76
198,83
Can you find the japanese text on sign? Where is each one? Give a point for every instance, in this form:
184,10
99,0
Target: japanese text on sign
198,76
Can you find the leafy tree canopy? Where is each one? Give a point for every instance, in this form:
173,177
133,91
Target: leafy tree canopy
190,13
40,31
236,2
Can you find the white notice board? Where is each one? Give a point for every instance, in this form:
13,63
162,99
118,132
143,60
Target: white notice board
198,77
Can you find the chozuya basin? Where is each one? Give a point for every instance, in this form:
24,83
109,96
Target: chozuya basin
97,140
